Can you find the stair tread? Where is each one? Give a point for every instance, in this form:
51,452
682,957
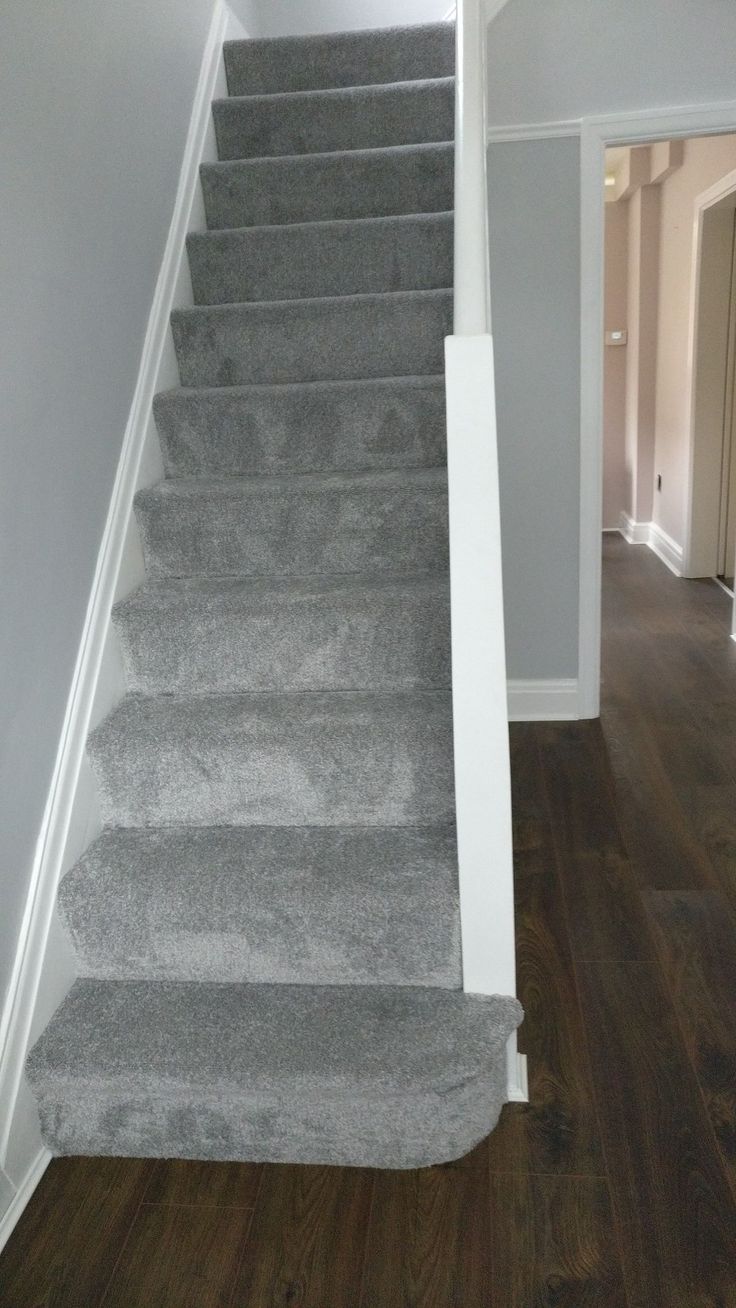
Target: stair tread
294,483
308,905
287,231
323,304
335,94
338,385
339,58
390,1076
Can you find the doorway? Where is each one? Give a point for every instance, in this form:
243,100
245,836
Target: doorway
658,477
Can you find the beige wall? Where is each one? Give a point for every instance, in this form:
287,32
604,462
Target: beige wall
615,482
706,160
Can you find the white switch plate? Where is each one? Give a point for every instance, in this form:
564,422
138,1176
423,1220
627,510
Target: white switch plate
619,337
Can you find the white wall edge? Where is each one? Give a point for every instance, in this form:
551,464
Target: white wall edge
533,131
550,700
658,540
135,467
596,134
15,1209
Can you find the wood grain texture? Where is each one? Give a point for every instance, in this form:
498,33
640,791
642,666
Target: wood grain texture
553,1244
179,1258
673,1205
308,1239
65,1247
429,1239
174,1181
557,1130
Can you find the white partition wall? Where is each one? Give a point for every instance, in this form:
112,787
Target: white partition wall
482,774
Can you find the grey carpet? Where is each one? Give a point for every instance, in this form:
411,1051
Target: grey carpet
197,636
323,339
313,122
379,423
267,929
411,252
359,1075
313,905
297,525
347,184
398,54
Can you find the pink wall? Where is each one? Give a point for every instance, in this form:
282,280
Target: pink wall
615,482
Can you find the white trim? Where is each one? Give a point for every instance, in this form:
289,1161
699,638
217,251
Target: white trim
658,540
549,700
533,131
596,134
155,368
517,1074
13,1213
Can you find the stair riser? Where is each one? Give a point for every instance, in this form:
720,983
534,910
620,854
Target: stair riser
355,184
298,262
395,642
362,118
302,907
326,531
347,59
318,428
242,763
313,340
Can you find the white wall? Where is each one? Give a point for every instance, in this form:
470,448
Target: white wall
292,18
549,62
94,104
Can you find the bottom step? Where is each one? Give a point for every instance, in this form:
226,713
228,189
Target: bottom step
361,1076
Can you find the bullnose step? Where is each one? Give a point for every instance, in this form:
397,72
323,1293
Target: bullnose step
344,758
288,905
377,423
357,1075
306,63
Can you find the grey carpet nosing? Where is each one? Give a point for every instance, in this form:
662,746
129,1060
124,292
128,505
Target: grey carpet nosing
321,302
431,216
221,167
422,380
301,483
155,595
331,92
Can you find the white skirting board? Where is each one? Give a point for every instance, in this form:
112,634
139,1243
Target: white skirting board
651,534
41,975
553,700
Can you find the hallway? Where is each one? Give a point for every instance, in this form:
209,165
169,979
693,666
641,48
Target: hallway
616,1186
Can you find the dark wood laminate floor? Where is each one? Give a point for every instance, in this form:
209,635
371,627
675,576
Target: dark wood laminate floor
616,1186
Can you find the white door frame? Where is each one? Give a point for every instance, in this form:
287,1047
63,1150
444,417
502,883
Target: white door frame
595,135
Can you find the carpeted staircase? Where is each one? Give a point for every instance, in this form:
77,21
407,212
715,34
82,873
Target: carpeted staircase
267,929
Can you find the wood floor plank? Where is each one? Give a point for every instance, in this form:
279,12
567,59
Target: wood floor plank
695,934
176,1181
64,1249
671,1198
553,1244
308,1238
429,1240
557,1131
179,1258
606,917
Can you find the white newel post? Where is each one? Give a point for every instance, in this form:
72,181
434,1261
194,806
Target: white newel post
480,718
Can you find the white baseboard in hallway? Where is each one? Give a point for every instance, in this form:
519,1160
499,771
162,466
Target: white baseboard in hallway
651,534
548,700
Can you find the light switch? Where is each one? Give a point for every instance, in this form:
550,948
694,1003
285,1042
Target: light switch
619,337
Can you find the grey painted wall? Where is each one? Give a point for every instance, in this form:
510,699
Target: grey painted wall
289,18
546,62
94,108
535,276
